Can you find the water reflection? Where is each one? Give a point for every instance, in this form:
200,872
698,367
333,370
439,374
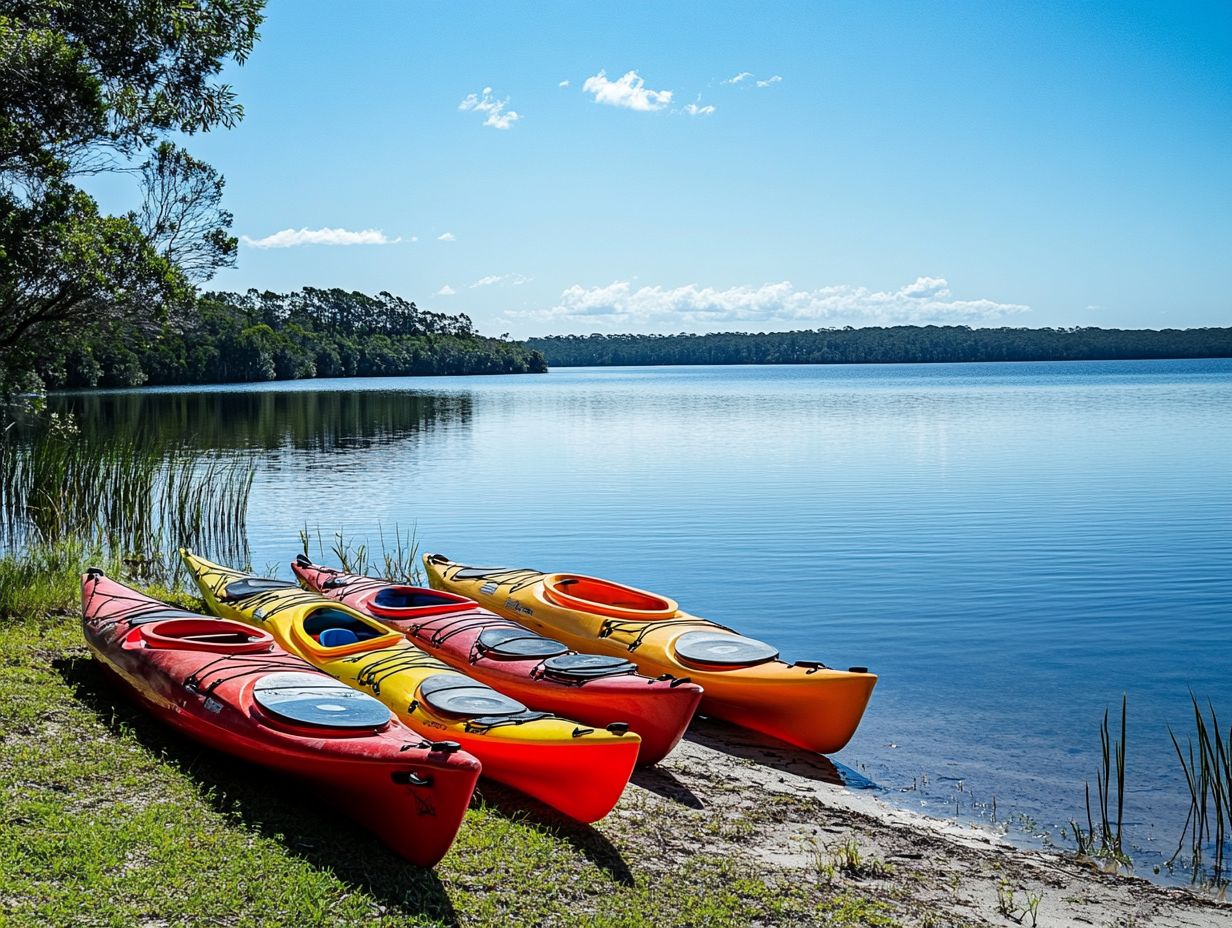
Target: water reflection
303,420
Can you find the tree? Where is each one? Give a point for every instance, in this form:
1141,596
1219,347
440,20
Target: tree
86,87
182,215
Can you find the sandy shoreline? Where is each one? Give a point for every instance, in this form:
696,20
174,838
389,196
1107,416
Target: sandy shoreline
728,792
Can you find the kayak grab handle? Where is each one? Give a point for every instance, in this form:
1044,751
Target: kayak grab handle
302,560
444,747
410,778
811,666
618,728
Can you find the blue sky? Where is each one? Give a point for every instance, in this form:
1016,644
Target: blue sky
1024,164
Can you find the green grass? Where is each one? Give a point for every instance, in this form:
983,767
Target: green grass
109,818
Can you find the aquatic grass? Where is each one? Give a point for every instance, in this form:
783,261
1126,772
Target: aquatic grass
396,558
124,500
1207,768
1106,839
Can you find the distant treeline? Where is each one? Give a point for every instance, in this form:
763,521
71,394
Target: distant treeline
256,336
888,345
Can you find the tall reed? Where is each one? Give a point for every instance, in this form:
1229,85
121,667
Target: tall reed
396,559
1207,767
1105,839
126,498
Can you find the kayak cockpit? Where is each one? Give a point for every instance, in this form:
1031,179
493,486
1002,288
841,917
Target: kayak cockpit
330,630
197,633
404,602
603,597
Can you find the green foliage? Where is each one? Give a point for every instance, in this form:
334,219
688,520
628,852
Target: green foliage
270,336
85,87
884,345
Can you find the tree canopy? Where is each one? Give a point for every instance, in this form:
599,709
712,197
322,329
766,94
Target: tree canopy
257,336
89,87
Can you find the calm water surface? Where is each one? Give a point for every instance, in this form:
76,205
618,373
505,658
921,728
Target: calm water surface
1011,547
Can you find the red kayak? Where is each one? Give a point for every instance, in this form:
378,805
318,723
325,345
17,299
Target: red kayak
539,672
232,688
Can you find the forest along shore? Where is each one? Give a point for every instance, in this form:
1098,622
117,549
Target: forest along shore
900,344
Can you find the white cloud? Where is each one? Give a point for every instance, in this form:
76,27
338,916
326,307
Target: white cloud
629,92
925,300
694,110
563,84
446,290
414,238
514,280
486,103
446,237
744,76
290,238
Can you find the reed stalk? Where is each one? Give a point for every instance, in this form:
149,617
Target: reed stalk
133,500
1206,763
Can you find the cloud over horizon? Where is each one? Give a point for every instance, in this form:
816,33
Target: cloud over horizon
497,117
446,237
924,300
629,92
515,280
292,238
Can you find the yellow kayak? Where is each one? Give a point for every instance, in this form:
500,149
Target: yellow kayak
578,770
806,704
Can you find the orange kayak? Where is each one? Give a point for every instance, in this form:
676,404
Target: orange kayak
806,703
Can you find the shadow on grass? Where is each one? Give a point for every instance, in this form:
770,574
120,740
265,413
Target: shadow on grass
519,807
770,752
664,783
271,806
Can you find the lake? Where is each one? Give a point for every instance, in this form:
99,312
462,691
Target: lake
1010,546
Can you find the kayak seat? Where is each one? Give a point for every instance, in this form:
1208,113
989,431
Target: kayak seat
330,621
460,696
516,644
337,637
712,649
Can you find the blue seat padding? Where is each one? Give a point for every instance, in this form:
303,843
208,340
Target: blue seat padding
337,637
